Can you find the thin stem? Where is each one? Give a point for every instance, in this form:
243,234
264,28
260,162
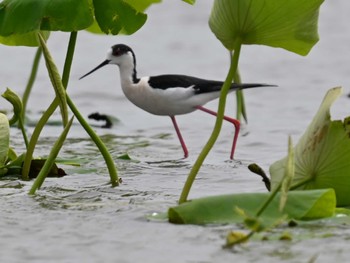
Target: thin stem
239,104
45,117
30,83
50,110
273,194
241,111
268,201
50,161
97,140
69,58
24,134
34,138
217,128
99,143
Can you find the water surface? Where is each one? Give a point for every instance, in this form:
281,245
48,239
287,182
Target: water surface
81,218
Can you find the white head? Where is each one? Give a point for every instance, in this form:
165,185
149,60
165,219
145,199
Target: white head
120,55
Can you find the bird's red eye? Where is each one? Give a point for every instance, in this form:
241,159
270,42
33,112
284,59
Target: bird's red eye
116,52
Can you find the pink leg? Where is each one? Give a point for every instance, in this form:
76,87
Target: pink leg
180,136
235,122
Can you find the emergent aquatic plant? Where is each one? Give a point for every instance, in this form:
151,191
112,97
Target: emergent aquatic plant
290,24
322,154
28,22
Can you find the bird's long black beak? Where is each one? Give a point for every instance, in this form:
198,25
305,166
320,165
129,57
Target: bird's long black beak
104,63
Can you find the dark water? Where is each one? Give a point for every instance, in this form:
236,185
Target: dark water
81,218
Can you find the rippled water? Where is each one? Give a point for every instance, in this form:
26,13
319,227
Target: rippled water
81,218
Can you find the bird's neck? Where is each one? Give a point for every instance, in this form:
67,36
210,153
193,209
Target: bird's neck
128,74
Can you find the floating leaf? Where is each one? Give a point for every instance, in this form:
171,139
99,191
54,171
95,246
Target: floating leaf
322,155
301,205
124,156
288,24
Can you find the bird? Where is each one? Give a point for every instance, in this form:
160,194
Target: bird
170,94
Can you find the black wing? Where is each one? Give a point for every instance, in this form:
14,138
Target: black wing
183,81
199,85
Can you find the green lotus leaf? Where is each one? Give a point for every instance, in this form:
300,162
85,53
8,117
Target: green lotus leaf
191,2
28,39
322,155
141,5
23,16
114,16
301,205
21,19
288,24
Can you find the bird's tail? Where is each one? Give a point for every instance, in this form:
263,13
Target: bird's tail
239,86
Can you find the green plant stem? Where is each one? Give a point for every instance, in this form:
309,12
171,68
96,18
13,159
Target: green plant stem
268,201
50,110
30,83
50,161
34,138
97,140
273,194
56,80
69,58
240,104
24,134
217,128
99,143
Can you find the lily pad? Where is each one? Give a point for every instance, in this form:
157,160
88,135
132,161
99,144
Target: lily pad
288,24
300,205
322,155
